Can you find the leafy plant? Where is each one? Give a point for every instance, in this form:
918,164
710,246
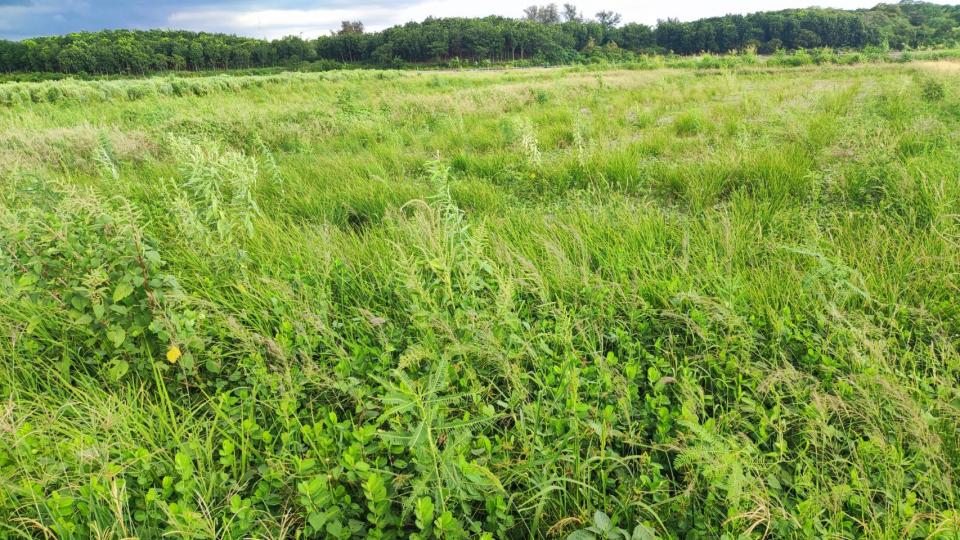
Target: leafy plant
932,90
604,529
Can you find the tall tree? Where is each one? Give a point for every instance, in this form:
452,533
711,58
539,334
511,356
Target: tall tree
548,14
571,14
608,19
351,27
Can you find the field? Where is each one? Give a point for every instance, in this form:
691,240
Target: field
522,304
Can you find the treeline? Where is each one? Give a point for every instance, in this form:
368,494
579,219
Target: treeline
545,34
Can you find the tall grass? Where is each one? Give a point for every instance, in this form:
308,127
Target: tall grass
530,304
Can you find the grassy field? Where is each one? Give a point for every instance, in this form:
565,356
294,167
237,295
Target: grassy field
526,304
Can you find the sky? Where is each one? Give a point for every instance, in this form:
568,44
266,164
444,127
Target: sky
309,18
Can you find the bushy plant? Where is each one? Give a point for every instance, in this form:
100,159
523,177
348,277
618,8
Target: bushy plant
79,270
216,187
140,91
932,90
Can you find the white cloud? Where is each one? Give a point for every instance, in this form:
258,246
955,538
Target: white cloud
269,23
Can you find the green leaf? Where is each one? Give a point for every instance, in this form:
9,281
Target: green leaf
424,513
184,465
447,524
122,291
27,280
642,532
602,521
336,529
79,302
152,256
118,369
317,520
375,489
116,335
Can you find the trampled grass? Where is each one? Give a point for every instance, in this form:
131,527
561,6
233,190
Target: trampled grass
673,303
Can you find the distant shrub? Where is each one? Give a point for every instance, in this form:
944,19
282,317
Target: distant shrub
651,61
849,59
773,46
709,62
36,94
199,88
53,94
797,59
180,87
323,65
13,95
749,58
727,61
823,55
681,62
932,91
77,92
140,91
877,53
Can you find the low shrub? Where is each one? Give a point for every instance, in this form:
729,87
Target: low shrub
84,262
932,90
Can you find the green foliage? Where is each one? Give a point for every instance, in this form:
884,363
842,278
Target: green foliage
215,191
80,272
604,529
797,59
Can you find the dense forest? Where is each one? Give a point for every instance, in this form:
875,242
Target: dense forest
545,34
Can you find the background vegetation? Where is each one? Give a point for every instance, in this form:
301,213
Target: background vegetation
547,34
528,304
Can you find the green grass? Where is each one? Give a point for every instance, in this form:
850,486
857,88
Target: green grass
675,303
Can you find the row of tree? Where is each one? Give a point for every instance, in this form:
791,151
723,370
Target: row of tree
545,33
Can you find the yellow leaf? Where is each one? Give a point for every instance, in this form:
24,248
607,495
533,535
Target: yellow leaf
174,354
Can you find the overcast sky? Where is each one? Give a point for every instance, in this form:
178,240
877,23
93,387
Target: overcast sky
266,19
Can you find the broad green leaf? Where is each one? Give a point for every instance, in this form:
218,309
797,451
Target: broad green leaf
602,521
119,369
642,532
116,335
122,291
